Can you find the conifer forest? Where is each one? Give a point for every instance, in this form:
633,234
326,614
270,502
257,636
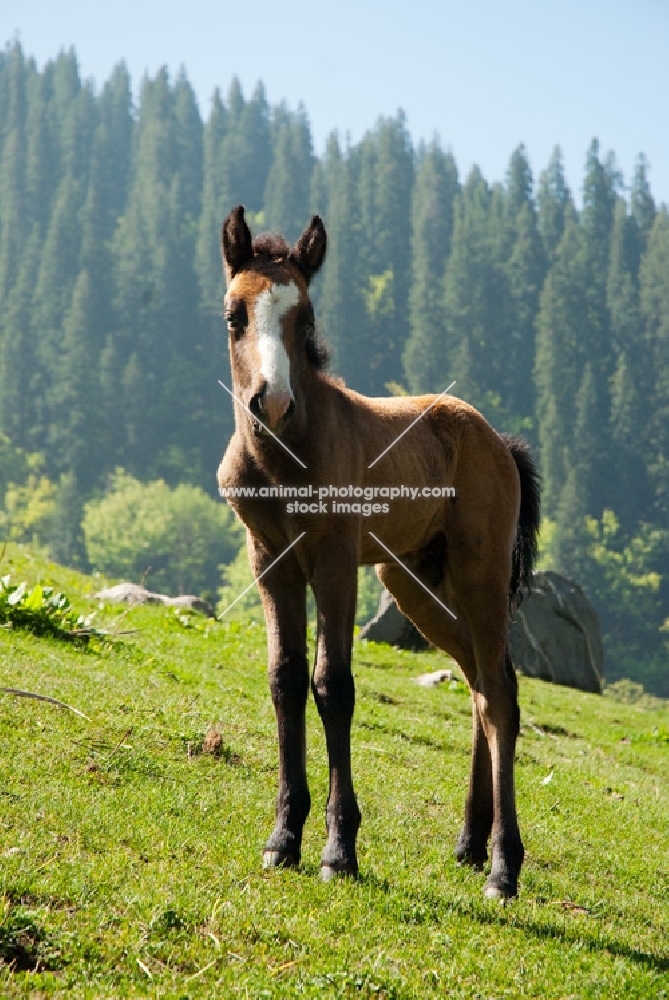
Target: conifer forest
550,309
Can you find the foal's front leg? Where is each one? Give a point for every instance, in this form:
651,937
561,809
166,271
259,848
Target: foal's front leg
335,585
283,593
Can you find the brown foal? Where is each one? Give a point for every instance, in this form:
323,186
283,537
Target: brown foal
473,551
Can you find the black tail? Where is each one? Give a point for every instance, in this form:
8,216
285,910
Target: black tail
525,546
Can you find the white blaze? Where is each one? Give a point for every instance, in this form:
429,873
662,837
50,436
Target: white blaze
270,308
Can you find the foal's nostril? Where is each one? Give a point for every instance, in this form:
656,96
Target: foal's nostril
257,404
271,409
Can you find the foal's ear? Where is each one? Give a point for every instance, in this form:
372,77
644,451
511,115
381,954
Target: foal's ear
236,243
309,251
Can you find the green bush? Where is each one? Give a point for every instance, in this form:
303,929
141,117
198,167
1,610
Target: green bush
181,534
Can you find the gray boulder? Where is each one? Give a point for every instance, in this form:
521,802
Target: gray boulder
391,626
132,593
555,635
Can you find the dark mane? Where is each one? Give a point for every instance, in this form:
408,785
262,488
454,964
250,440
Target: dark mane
271,246
318,354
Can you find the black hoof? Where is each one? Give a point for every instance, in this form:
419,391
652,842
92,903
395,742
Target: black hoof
279,859
469,853
500,889
330,872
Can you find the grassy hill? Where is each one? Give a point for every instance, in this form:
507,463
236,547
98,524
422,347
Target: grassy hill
130,856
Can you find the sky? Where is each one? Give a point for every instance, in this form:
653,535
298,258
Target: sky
483,75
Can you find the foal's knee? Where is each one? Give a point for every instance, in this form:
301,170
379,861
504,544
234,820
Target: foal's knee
334,693
289,681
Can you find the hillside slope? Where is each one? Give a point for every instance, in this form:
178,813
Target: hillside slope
130,856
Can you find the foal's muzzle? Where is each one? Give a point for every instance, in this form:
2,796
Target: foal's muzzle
263,410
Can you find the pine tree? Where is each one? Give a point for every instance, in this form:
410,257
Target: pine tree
632,380
384,168
113,143
142,250
189,142
340,302
42,155
75,432
559,360
642,202
475,298
80,122
576,496
253,133
601,183
159,341
14,221
654,282
17,351
288,189
525,272
54,285
433,198
519,182
523,263
215,199
245,153
553,198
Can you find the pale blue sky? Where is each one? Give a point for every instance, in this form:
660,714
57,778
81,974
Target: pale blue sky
484,75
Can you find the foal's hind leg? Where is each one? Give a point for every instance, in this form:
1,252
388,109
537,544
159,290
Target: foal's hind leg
472,845
283,593
481,652
495,694
453,637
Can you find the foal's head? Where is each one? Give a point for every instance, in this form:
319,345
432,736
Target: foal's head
270,316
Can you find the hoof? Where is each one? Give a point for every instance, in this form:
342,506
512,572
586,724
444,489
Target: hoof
467,861
472,852
500,892
328,873
278,859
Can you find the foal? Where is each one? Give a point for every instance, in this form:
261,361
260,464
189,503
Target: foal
472,552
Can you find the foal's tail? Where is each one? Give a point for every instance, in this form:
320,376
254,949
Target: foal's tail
525,545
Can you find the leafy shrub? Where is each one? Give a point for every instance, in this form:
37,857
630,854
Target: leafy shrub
42,612
181,534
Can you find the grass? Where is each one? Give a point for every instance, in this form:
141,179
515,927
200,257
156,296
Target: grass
130,856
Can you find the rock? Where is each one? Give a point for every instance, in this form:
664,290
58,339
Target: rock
555,635
434,679
131,593
391,626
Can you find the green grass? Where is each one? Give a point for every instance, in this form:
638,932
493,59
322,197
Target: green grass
130,859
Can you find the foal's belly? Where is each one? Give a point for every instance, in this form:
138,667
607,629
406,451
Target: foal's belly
407,526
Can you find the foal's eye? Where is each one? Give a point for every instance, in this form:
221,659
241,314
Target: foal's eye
235,325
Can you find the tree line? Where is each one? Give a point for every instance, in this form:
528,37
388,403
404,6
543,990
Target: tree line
552,317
